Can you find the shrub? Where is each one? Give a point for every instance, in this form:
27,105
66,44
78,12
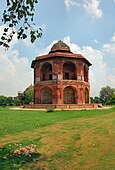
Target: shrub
50,110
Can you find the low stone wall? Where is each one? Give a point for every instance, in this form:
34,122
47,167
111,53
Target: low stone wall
62,106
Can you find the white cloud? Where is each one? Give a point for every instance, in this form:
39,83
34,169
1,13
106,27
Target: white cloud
15,72
96,41
109,47
113,38
98,71
111,80
74,47
47,49
70,3
92,8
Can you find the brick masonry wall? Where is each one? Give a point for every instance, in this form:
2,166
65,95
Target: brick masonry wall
58,85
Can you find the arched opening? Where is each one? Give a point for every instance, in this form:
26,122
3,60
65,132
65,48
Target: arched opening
69,71
85,73
46,96
46,72
70,95
86,95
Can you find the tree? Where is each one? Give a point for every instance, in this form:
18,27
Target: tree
19,17
97,99
113,99
3,100
106,94
28,95
92,100
10,101
16,101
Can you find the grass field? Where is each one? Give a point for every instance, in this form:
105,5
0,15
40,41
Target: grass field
64,140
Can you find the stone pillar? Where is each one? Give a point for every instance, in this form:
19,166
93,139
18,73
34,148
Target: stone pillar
80,74
80,91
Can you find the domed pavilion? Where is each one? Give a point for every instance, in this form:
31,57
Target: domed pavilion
61,78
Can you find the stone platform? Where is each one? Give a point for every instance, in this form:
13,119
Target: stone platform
62,106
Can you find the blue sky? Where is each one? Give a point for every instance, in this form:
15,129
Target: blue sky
87,26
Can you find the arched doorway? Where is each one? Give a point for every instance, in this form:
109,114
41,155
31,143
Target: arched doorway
86,95
70,95
46,96
69,71
46,72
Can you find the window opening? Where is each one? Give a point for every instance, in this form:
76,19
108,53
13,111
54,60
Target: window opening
67,76
50,76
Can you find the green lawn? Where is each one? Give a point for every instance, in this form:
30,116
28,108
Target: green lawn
74,140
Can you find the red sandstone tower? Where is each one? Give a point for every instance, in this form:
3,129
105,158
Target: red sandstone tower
61,77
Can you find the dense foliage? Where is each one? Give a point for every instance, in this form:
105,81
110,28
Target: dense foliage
106,96
28,96
9,101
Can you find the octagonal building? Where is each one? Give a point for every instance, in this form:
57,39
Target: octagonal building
61,77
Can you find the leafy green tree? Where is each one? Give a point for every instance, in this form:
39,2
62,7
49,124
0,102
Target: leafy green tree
113,99
19,18
106,94
10,101
92,100
28,96
97,99
16,101
3,100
